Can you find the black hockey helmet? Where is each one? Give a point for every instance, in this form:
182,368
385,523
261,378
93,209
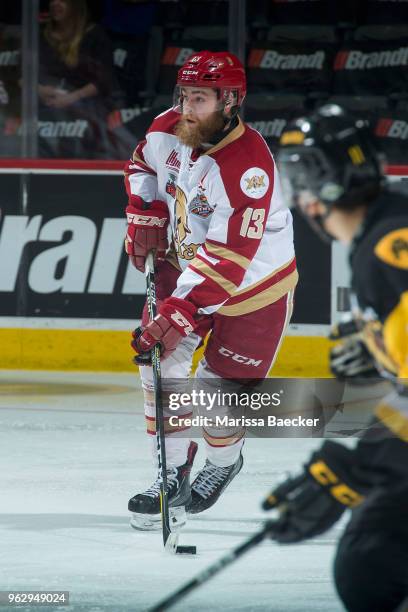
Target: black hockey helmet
331,156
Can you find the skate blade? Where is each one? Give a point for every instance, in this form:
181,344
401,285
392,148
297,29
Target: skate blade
152,522
145,522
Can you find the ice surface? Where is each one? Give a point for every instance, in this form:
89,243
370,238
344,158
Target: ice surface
73,450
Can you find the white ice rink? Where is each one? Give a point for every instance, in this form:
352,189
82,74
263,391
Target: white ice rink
73,449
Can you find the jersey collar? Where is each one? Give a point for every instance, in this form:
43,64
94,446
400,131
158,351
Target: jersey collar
232,135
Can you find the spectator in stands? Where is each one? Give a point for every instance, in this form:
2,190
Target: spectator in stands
75,57
76,71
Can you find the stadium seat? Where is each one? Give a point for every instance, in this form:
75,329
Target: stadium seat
207,12
284,33
360,104
130,65
292,60
214,37
373,63
302,12
138,76
384,32
257,13
383,12
171,14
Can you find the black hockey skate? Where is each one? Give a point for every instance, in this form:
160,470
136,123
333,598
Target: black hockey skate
145,507
209,483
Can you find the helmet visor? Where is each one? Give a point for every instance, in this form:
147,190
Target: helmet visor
303,175
308,169
295,174
200,101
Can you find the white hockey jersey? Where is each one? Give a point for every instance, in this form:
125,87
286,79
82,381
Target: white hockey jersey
231,231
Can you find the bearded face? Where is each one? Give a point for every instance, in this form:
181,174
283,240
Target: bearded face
194,131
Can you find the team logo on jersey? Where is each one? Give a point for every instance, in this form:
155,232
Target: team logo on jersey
254,183
199,204
173,160
393,248
181,229
171,185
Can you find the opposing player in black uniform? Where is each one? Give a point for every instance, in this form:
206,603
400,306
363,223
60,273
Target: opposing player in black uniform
331,172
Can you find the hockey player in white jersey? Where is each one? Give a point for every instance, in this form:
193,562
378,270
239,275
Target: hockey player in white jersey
204,194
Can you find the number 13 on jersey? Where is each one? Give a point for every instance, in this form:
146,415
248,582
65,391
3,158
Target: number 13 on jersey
252,220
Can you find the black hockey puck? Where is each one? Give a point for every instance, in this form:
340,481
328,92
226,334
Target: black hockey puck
186,550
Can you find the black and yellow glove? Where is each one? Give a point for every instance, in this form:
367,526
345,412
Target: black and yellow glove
351,361
311,503
361,356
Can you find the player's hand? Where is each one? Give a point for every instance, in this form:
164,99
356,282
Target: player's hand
312,502
174,322
346,329
351,361
373,338
62,99
146,231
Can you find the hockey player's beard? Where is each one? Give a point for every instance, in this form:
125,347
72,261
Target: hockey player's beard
194,135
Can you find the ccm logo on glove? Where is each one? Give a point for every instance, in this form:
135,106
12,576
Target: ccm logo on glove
184,324
147,230
174,322
340,491
146,221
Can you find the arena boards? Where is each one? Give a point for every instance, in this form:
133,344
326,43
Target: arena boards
68,297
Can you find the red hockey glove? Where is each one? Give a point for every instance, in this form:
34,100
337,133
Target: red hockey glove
174,322
146,231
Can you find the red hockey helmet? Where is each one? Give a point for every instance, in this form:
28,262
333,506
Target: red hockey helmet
219,70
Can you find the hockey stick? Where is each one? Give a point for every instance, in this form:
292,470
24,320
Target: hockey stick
169,539
214,569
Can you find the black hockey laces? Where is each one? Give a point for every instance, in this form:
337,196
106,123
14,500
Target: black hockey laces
209,478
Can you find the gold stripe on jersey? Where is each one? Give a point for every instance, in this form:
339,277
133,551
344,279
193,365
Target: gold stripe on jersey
139,160
394,420
264,298
373,338
206,269
393,248
233,135
265,278
224,253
